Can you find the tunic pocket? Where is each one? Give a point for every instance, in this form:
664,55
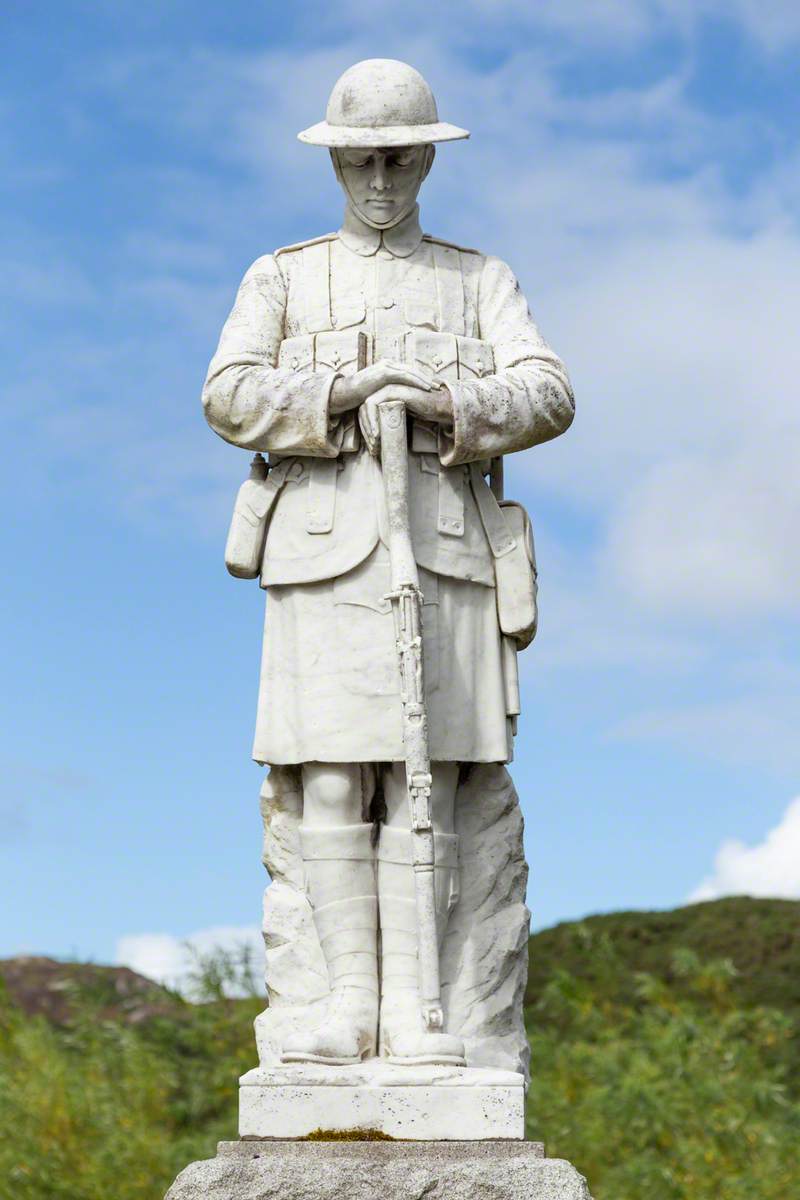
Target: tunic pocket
436,353
365,630
347,313
339,350
420,313
297,353
475,358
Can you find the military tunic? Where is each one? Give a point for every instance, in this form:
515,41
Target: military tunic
303,316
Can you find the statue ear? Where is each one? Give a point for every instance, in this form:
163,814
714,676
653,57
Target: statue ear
334,153
429,157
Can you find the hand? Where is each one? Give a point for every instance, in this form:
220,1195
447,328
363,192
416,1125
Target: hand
430,404
350,391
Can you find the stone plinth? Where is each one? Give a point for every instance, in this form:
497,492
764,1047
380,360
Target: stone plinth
418,1103
253,1170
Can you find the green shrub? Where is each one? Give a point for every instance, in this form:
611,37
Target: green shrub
677,1083
101,1110
677,1095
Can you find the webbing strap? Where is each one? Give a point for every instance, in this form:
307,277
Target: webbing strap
500,538
449,288
317,286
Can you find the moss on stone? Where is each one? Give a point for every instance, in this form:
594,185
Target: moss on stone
347,1135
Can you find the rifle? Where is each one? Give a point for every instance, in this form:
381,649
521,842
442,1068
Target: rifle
406,601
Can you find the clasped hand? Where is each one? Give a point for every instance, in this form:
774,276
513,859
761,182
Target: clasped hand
384,381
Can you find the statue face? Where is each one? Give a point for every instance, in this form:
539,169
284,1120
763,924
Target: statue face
382,185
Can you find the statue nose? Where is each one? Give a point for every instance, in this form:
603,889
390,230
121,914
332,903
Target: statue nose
379,180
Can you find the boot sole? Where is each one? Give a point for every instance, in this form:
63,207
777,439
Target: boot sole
428,1060
328,1061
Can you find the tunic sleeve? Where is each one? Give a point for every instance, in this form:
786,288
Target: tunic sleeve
250,401
527,400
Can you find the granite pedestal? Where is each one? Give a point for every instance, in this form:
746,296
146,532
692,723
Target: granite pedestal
364,1170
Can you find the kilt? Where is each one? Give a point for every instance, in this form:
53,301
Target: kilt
329,688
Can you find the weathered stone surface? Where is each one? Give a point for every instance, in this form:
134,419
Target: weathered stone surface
297,977
392,1170
420,1103
485,952
484,960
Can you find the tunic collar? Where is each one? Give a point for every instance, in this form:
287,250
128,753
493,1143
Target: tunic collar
400,240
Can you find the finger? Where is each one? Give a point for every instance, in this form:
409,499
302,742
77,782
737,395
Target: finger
364,427
367,419
412,378
395,365
402,373
398,391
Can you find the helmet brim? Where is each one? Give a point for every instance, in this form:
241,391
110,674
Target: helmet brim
368,137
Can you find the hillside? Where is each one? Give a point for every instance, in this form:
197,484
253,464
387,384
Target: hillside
760,937
60,990
659,1069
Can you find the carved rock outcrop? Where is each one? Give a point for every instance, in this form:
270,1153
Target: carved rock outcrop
484,959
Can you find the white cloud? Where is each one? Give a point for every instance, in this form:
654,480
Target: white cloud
587,623
770,23
749,715
611,24
771,868
716,538
173,961
688,428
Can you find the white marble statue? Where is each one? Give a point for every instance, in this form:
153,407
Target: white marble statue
324,335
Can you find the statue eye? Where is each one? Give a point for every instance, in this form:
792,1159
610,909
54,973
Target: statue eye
358,163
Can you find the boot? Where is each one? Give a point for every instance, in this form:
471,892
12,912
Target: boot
340,876
403,1035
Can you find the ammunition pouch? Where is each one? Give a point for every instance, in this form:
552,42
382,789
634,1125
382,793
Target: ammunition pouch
443,356
343,350
448,356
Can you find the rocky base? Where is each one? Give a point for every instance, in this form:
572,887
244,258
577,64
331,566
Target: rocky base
484,958
341,1170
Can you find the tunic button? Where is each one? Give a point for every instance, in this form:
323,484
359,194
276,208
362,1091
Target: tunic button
437,362
295,363
388,303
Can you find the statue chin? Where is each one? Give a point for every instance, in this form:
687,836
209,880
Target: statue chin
370,219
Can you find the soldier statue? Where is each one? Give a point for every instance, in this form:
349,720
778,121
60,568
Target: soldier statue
324,335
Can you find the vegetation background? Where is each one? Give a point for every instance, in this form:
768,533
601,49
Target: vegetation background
665,1049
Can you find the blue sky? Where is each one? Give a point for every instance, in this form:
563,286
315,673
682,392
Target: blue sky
636,161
